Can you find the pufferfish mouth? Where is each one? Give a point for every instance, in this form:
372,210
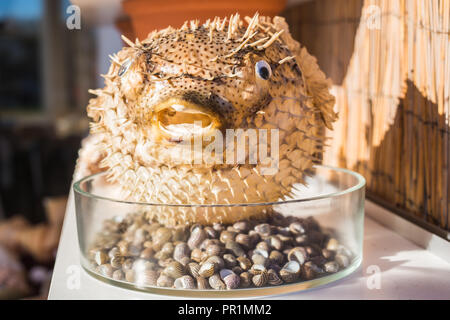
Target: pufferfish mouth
178,120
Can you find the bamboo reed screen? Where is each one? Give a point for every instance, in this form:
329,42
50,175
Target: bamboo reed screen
390,64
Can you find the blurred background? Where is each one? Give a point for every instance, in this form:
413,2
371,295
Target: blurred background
388,60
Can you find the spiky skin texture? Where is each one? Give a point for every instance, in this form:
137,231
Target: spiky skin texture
212,65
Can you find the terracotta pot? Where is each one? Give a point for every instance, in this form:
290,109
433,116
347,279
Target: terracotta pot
147,15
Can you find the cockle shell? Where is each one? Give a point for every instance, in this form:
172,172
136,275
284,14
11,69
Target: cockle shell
290,271
216,282
215,67
184,282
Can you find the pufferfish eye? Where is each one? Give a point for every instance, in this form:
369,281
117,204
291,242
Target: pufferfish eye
263,70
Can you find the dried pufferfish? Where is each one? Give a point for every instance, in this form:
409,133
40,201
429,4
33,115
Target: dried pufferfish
224,74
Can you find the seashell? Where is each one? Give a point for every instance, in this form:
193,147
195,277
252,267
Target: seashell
230,279
257,269
134,250
160,237
244,263
244,240
296,228
275,242
207,242
184,261
235,248
237,270
193,269
273,278
328,254
117,261
342,260
232,229
180,234
218,227
140,265
263,229
263,246
211,233
168,248
332,244
276,257
310,271
214,250
298,254
345,251
230,260
164,263
181,251
290,271
148,244
241,226
198,255
118,275
105,270
254,236
301,240
216,283
260,279
147,253
198,235
100,258
174,270
146,278
185,282
217,260
113,252
261,252
129,275
259,259
140,235
245,279
127,265
226,236
207,269
202,283
331,267
162,255
164,281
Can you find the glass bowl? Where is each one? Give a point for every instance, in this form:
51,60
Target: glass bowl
310,239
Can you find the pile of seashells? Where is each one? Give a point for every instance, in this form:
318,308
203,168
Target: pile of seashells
242,255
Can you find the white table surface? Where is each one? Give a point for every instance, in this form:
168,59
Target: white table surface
407,271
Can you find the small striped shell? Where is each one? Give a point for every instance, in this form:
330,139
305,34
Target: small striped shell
146,277
216,283
207,269
273,278
185,282
164,281
290,271
260,279
175,270
193,269
202,283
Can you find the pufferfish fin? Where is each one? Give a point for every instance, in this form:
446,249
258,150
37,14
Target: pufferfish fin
316,82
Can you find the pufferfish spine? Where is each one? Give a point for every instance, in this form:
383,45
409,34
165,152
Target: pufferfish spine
212,69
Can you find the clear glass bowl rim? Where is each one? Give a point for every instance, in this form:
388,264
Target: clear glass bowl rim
360,183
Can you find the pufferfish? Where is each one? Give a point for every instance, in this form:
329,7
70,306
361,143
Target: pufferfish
179,85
